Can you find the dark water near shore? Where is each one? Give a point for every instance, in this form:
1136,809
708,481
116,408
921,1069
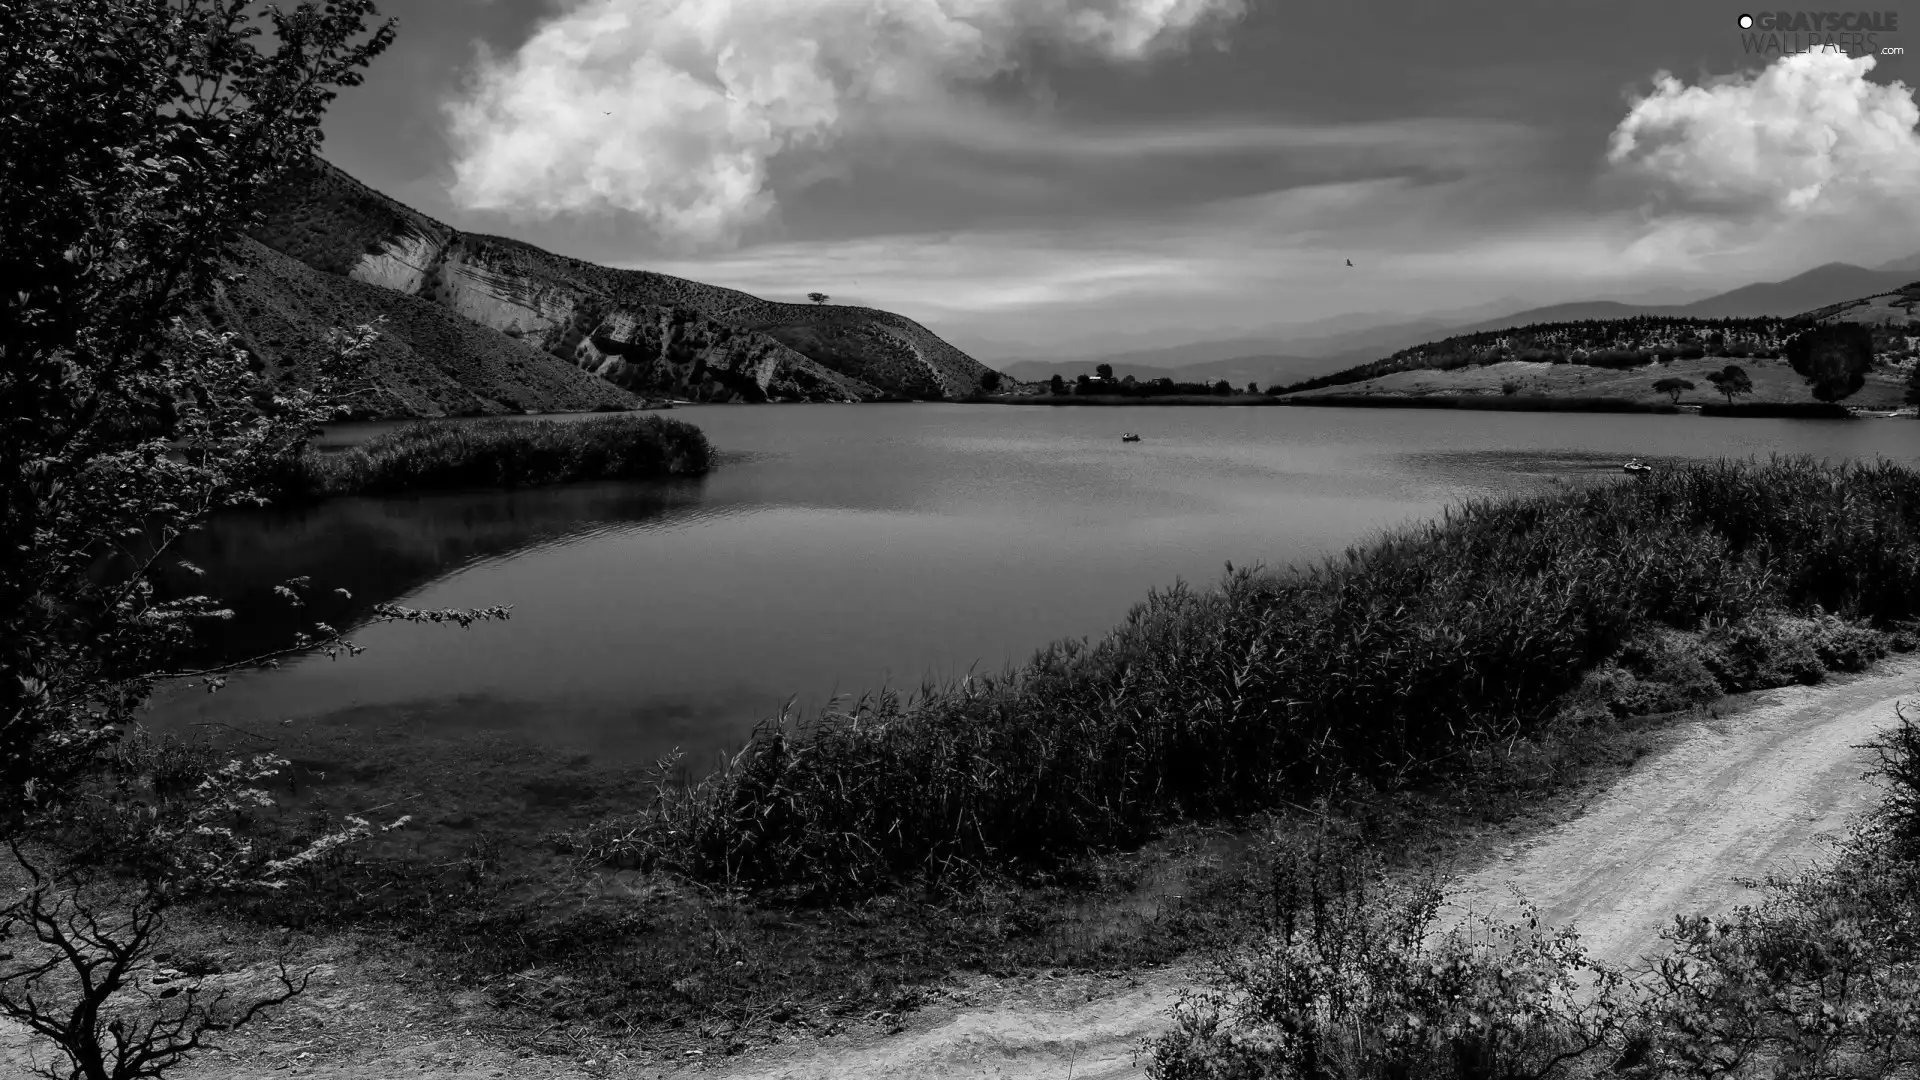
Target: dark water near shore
839,547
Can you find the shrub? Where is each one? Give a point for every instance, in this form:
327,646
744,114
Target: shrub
506,453
1394,662
1354,982
1834,359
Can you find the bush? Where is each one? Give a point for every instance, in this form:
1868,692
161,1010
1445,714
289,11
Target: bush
1355,983
1393,663
506,453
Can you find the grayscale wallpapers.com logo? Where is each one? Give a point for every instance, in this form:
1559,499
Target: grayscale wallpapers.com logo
1856,33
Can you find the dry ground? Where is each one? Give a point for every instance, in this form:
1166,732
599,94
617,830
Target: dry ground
1761,786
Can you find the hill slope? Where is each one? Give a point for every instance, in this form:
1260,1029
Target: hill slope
1560,357
427,361
646,332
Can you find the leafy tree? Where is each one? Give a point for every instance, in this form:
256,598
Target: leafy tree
818,297
138,137
990,381
1105,371
1129,382
1056,385
1732,381
1673,388
1253,387
1833,359
1223,388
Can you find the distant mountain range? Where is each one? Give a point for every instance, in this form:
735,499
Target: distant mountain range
485,324
1273,359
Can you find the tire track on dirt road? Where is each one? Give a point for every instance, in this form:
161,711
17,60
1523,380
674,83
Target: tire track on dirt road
1761,788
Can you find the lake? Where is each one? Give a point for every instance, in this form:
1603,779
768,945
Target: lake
836,548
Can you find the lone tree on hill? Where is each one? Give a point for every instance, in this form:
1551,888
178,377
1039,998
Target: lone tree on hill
1732,381
817,297
1673,388
1833,359
1105,371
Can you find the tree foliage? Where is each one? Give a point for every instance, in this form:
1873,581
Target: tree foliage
1834,359
135,141
1732,381
137,138
1673,388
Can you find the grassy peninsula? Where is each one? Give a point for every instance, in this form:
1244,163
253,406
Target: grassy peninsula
504,453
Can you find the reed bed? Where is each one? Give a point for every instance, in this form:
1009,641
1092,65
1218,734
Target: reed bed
505,453
1391,665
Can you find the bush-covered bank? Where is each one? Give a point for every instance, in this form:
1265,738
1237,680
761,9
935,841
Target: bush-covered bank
1404,663
504,453
1798,410
1820,979
1516,403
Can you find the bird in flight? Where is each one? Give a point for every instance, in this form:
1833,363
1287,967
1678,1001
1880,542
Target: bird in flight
1349,262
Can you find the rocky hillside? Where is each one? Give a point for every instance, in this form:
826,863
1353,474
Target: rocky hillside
427,361
644,332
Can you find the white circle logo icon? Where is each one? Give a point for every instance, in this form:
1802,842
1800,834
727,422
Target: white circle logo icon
1746,21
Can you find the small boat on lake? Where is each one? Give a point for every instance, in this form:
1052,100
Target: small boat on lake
1129,437
1637,466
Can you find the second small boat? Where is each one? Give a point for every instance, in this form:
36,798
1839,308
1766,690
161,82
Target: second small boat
1129,437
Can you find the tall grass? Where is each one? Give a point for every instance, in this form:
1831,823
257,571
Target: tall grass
1393,664
505,453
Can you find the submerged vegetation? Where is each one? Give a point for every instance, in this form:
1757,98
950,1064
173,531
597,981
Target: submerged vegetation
1403,664
505,453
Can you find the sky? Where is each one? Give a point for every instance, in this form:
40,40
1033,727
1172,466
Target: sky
1043,177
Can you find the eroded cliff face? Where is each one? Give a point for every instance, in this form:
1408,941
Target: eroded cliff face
651,333
695,357
653,349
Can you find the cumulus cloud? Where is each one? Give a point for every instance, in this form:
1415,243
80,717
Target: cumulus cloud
1808,143
673,109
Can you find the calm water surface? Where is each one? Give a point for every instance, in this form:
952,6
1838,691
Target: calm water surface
836,548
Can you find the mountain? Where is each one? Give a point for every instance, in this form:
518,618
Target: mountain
1908,265
519,309
1819,287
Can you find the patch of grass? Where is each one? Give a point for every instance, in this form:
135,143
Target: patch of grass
505,453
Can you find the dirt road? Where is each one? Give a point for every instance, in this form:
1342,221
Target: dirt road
1761,788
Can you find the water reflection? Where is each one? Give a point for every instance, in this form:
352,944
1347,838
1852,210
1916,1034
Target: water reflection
382,549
